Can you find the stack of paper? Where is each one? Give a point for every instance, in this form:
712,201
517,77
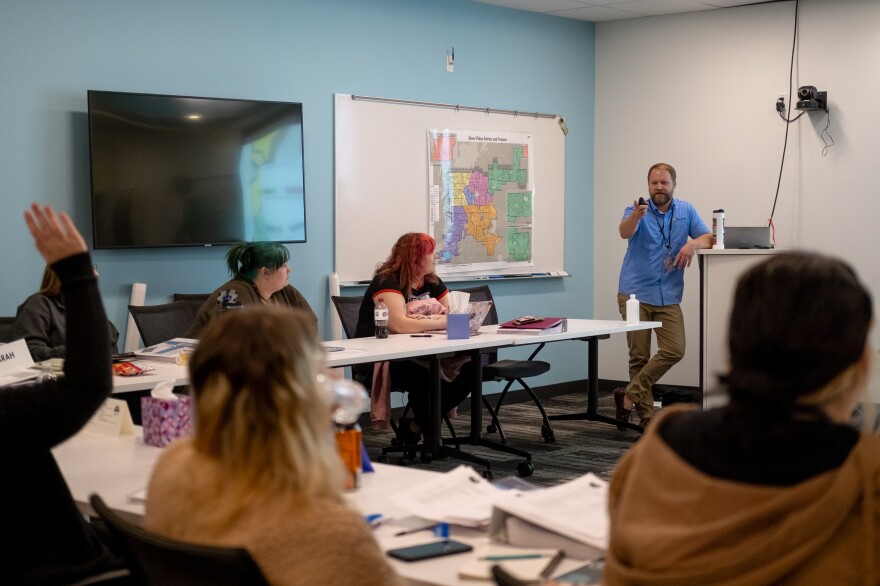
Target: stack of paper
572,516
461,497
167,351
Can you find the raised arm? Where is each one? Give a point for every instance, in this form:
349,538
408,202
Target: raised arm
629,224
40,415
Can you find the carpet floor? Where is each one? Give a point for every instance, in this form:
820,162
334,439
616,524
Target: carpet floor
580,446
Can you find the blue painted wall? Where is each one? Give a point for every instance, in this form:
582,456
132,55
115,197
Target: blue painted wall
52,51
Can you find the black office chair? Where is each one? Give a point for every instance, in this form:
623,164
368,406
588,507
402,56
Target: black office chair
153,559
510,371
198,297
6,324
348,309
158,323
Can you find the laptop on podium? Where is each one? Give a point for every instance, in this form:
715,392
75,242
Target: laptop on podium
747,237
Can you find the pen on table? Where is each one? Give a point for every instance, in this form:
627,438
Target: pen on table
515,556
420,335
551,567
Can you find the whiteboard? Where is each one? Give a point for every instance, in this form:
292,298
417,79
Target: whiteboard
381,181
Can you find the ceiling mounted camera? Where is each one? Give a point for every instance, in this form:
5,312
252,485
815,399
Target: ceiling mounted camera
809,98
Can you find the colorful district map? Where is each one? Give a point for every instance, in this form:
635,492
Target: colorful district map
480,186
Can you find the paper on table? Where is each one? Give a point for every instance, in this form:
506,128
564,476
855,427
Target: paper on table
576,509
461,496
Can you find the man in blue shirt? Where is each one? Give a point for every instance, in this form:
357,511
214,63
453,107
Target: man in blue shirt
664,234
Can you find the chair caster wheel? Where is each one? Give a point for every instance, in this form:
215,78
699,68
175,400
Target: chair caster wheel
426,457
491,428
547,433
525,469
395,441
550,439
488,474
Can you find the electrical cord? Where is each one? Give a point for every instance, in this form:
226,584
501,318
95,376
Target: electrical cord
785,143
825,132
786,120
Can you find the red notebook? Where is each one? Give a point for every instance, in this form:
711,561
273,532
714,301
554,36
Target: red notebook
544,323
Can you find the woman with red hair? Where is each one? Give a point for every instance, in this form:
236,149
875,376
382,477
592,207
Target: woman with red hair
408,275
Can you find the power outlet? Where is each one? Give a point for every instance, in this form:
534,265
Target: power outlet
780,103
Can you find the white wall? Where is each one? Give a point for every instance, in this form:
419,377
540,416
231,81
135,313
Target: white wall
697,90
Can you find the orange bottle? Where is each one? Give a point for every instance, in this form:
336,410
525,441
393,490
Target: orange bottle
348,443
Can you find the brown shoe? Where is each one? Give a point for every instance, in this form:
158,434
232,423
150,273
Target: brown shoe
622,413
644,421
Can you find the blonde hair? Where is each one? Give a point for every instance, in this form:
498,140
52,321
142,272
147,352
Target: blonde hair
260,412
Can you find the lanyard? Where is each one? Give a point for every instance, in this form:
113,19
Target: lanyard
667,239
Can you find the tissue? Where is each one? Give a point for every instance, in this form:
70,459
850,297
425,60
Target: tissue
458,301
165,416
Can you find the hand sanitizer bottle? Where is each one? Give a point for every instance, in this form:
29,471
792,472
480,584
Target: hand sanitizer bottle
632,309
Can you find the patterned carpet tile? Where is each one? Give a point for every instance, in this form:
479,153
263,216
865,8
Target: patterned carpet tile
580,446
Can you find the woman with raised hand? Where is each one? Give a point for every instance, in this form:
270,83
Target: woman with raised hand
776,487
260,272
43,537
261,470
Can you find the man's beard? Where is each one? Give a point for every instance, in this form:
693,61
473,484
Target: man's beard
661,198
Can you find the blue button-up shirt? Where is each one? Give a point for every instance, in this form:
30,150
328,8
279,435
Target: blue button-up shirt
643,271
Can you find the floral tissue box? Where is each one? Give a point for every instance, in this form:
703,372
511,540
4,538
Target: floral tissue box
164,421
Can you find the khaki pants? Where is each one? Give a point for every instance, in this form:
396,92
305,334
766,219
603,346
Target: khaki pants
644,369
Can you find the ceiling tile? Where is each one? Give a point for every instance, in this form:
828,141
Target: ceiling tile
658,7
730,3
605,10
536,5
596,13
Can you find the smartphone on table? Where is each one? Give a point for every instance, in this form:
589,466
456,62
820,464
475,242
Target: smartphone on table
429,550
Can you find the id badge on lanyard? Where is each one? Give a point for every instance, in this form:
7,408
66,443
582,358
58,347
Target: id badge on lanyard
668,259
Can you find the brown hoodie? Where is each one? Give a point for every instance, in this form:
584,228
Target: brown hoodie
671,524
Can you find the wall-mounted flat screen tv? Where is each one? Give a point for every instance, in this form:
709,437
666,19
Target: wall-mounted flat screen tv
188,171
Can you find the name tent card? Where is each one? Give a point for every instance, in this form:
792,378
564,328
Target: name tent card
15,363
112,418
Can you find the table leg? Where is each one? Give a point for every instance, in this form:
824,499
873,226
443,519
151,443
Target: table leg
592,412
432,438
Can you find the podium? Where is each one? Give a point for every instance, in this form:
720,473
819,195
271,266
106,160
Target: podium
719,272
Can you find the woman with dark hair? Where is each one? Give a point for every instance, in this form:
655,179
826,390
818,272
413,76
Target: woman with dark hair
40,320
776,487
260,273
408,275
262,470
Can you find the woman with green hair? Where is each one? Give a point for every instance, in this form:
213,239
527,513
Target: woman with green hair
259,277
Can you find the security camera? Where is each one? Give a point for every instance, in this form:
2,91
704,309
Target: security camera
811,99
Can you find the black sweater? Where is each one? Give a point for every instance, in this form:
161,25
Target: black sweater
43,537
